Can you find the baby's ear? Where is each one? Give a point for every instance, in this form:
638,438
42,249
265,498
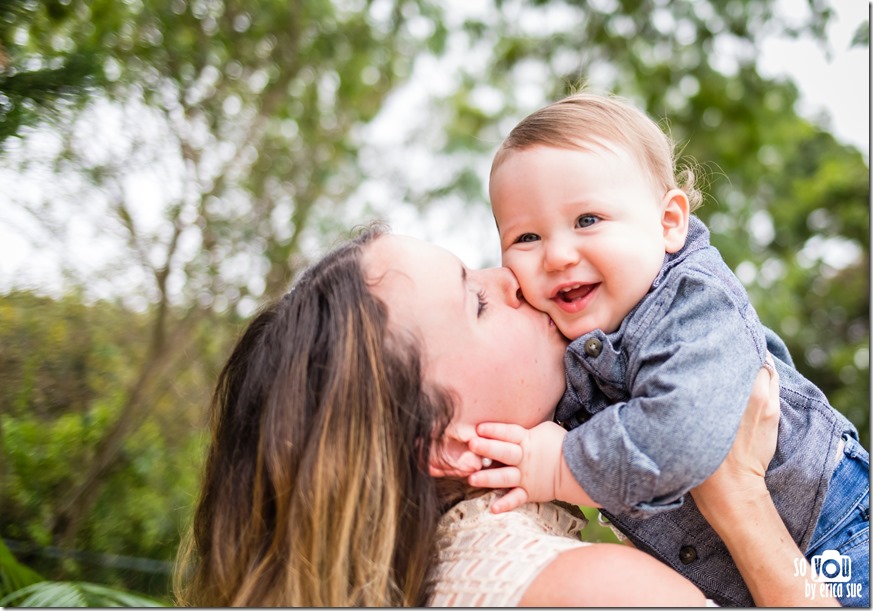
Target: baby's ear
674,219
450,456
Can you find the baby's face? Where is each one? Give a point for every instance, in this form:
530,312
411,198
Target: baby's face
583,230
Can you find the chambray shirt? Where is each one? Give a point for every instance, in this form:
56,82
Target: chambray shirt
653,408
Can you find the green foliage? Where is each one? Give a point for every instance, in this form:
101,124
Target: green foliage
595,531
75,594
13,574
20,586
63,370
862,35
46,63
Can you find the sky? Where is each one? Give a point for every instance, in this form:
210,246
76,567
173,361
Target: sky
834,88
839,85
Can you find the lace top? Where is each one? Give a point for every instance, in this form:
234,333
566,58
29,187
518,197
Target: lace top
489,560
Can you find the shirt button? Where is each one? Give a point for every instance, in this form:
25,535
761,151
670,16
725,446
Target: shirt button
687,554
593,347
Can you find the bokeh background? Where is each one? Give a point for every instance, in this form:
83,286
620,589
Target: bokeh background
167,166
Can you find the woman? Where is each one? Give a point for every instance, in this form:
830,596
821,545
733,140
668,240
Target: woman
342,401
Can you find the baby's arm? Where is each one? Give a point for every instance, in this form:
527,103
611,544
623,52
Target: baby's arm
688,362
533,468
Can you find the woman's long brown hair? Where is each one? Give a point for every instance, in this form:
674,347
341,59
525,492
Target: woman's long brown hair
315,490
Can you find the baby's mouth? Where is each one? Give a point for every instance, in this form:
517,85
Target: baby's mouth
575,292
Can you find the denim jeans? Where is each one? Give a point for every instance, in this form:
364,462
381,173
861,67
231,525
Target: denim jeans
843,529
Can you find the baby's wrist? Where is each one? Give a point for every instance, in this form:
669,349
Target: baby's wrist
568,488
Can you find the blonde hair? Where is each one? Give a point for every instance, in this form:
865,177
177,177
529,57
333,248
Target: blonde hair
587,118
316,490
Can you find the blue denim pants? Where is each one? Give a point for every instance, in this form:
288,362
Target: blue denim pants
839,551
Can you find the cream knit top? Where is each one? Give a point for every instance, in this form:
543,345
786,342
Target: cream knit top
489,560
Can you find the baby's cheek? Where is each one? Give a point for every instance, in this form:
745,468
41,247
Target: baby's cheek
525,272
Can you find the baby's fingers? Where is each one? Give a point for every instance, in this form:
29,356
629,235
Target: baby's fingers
509,501
498,451
500,477
502,431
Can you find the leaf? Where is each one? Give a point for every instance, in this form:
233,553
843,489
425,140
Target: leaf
862,35
75,594
46,594
13,574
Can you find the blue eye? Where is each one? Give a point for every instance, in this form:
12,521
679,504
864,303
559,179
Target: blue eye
586,220
483,303
527,237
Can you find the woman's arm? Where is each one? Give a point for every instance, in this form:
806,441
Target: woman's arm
736,503
610,575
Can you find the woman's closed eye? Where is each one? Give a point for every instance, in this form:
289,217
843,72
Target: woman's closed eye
483,303
586,220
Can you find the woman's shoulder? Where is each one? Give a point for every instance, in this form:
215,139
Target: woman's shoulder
551,518
534,555
487,559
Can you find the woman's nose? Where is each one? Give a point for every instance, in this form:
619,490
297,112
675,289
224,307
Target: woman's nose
507,286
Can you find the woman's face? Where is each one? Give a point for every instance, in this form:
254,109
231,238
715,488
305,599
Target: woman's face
502,358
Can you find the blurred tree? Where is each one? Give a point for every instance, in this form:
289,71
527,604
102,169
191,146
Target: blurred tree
225,142
42,69
246,115
64,368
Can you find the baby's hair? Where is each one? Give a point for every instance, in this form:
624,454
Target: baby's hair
585,119
686,179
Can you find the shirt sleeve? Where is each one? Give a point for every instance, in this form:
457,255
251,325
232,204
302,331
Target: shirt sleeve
695,355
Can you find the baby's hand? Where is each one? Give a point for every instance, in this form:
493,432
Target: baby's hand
532,462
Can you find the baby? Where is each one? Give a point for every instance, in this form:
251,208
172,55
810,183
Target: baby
665,346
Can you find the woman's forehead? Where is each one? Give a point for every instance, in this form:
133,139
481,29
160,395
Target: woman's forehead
420,283
391,256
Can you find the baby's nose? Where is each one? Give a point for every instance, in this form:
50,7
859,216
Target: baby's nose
559,254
